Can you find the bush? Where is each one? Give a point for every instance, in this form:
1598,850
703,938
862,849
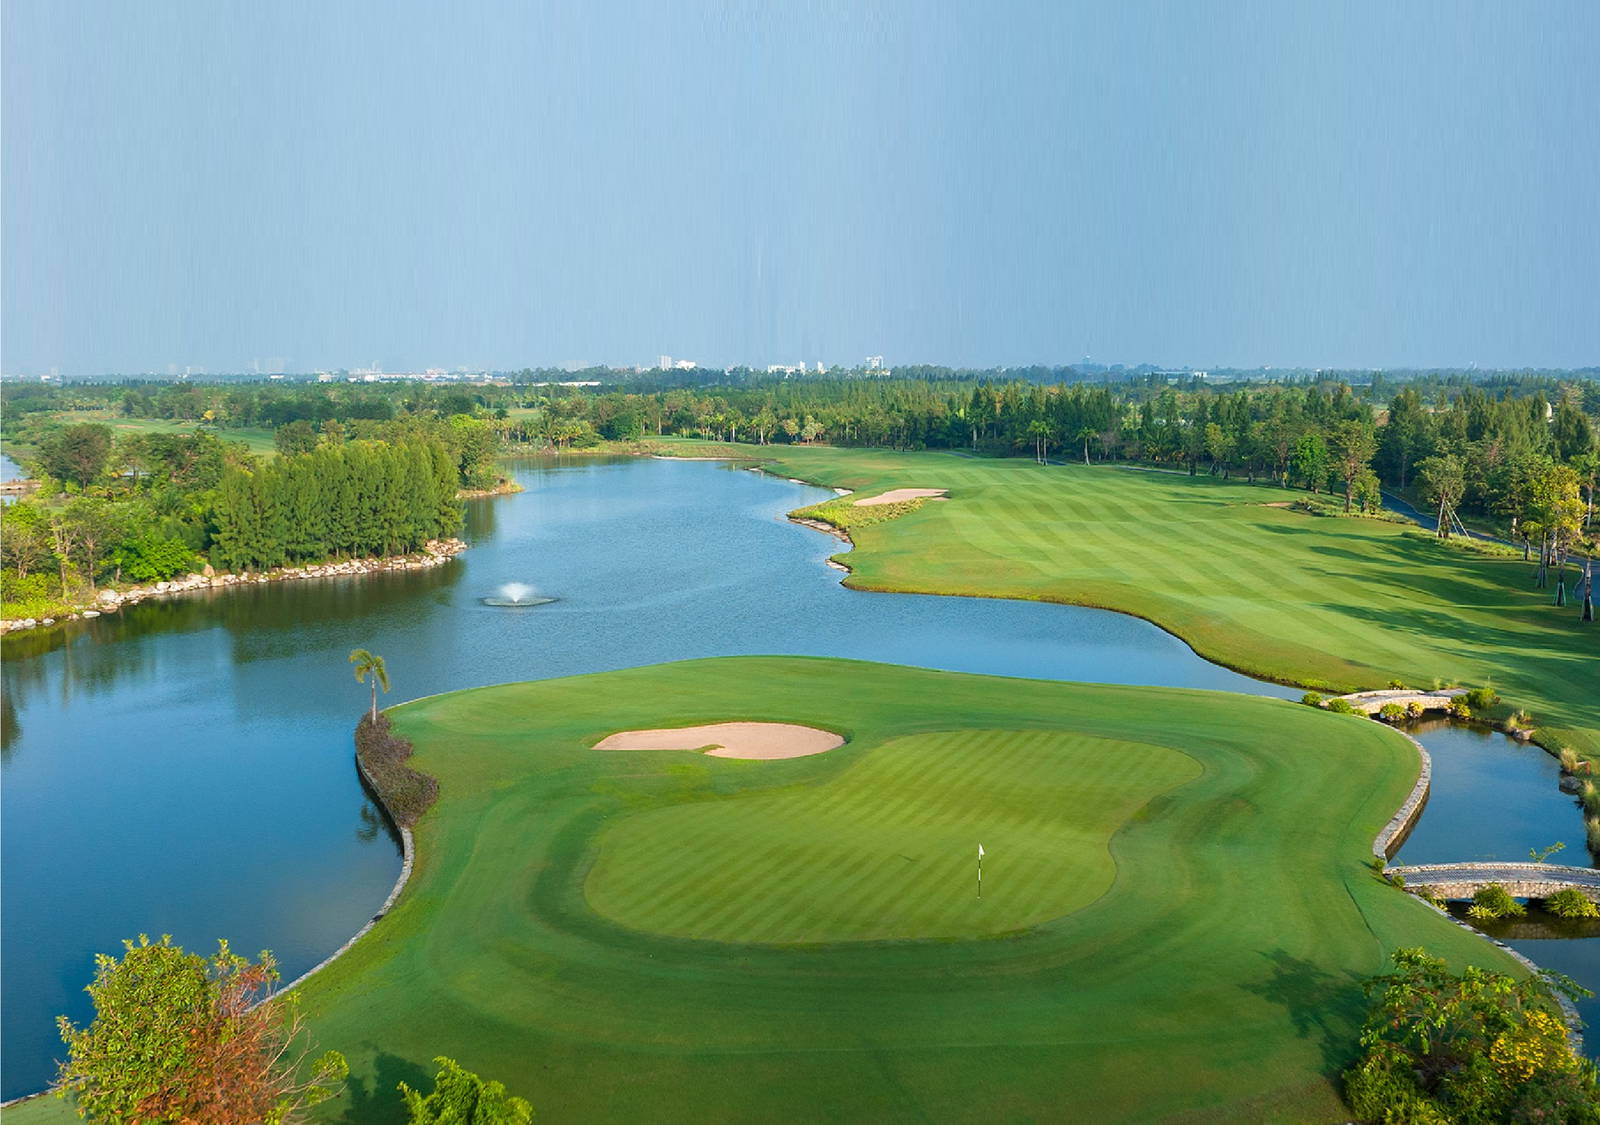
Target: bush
1341,707
460,1097
1590,796
1396,685
1414,710
1392,713
404,792
1312,699
1482,698
1571,763
1494,901
1459,708
1481,1046
1571,903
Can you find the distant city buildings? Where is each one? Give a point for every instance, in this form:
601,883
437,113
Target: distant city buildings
667,363
875,366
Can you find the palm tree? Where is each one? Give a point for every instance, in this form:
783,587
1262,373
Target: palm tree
365,663
1086,435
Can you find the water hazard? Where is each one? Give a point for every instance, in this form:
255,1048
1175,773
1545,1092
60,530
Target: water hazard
185,766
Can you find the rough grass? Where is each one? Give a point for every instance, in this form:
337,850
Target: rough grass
405,793
1336,604
845,514
258,439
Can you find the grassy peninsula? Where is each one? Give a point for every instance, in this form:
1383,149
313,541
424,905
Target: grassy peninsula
1339,603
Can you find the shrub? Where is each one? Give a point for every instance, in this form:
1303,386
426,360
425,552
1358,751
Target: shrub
404,792
1396,685
1392,713
1414,710
1496,902
1459,708
176,1037
1571,763
1438,1047
1340,707
1312,699
1591,829
1571,903
1482,698
1590,796
1395,879
460,1097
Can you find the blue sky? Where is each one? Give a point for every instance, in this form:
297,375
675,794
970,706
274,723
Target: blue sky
1362,184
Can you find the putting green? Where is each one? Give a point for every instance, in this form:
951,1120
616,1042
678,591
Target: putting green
888,848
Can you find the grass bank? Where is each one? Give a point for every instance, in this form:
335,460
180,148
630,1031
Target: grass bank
1338,604
1176,909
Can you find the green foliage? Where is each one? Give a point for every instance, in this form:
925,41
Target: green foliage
460,1097
1571,903
1415,710
149,558
77,454
1459,708
1341,706
1392,713
178,1038
1542,855
1312,699
361,498
1479,1047
845,514
1482,698
1494,901
1396,685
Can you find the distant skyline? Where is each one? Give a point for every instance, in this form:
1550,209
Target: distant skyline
494,186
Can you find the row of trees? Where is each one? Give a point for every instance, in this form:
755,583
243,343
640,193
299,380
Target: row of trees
146,507
352,500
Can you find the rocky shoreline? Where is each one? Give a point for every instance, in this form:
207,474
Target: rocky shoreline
437,552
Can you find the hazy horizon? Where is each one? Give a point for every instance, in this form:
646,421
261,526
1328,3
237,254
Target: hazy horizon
301,187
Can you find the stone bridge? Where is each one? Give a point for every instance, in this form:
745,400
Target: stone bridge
1522,880
1370,702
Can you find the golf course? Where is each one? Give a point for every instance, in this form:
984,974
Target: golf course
1325,602
1176,905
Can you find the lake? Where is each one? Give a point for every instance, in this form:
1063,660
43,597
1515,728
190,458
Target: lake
185,766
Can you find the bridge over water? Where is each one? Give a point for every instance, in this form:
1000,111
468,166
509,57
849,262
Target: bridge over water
1522,880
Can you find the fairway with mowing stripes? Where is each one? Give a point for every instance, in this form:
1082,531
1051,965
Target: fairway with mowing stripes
1325,602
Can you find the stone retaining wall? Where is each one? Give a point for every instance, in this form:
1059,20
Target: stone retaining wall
436,553
1399,827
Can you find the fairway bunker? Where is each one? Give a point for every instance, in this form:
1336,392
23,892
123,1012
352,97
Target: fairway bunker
751,741
894,496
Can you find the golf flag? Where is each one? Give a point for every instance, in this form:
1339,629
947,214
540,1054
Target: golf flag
980,870
980,851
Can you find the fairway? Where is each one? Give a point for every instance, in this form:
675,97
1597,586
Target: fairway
1324,602
886,849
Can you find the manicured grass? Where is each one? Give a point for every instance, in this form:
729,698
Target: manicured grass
257,439
887,849
1213,979
1332,603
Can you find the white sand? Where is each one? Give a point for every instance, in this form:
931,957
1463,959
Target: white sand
755,741
902,494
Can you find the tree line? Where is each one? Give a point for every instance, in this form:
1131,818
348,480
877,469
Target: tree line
145,507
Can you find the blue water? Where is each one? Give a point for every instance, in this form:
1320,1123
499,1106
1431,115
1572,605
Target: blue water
184,767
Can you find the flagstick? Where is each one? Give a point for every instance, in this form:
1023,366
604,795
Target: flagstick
980,872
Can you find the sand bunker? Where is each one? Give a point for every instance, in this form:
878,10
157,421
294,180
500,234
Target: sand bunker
755,741
902,494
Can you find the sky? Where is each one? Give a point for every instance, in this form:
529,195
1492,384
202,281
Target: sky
217,185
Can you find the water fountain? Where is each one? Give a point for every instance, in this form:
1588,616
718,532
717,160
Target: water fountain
516,595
